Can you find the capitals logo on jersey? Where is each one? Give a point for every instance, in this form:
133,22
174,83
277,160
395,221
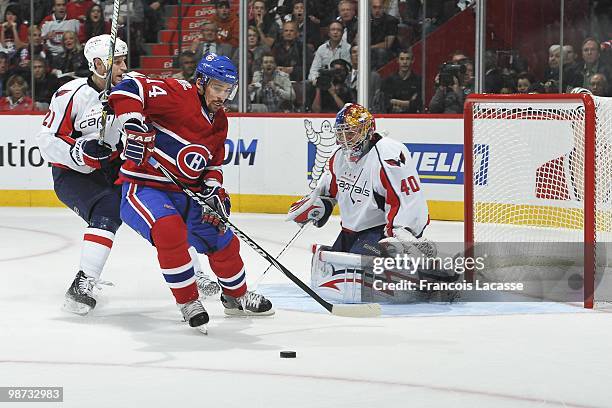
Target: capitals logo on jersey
191,160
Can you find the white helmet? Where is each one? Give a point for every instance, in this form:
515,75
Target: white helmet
98,47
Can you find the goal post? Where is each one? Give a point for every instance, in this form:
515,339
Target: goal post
538,169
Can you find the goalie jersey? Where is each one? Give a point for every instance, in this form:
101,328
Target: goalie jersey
188,142
382,188
75,111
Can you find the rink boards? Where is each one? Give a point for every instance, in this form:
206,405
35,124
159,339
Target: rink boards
270,160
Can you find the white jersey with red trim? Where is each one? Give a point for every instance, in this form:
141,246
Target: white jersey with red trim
382,188
53,30
75,111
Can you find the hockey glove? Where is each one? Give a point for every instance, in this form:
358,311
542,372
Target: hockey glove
403,241
88,152
140,141
219,201
311,208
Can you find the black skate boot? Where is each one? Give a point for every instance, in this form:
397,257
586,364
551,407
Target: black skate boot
251,304
79,297
195,314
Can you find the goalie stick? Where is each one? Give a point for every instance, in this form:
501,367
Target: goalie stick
291,241
109,70
352,310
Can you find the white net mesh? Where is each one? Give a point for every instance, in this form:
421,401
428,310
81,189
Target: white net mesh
528,179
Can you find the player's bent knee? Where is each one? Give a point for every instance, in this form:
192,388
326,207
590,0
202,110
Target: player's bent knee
105,223
231,250
105,213
169,235
169,232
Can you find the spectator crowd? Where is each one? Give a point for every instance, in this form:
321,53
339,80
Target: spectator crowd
302,54
46,49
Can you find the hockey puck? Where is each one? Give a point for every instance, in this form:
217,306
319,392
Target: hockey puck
287,354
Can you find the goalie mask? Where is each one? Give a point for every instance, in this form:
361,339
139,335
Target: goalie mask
354,127
99,47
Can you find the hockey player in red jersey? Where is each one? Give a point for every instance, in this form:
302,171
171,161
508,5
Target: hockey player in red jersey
184,128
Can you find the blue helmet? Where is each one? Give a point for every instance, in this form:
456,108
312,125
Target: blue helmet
221,68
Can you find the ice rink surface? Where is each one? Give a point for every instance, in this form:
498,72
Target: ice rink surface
134,351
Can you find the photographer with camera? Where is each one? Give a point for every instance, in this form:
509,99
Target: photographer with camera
332,49
449,94
332,91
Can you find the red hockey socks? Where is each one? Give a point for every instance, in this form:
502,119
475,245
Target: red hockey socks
229,268
170,237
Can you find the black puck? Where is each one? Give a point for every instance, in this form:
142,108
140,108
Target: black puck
287,354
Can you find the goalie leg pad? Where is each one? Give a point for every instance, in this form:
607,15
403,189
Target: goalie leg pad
337,277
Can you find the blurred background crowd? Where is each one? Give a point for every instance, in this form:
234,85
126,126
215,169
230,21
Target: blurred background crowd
303,54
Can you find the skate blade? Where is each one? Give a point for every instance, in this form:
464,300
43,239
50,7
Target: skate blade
240,313
80,309
203,329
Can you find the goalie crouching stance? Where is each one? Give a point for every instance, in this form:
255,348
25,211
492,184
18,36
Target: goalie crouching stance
382,207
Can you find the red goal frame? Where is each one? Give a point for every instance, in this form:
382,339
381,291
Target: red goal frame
589,172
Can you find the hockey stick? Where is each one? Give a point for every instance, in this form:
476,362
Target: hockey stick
352,310
291,241
109,72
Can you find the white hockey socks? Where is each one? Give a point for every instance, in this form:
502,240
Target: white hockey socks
97,244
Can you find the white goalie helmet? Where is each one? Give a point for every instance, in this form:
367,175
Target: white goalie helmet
99,46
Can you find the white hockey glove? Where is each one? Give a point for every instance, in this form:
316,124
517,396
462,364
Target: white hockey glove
217,198
312,208
88,152
404,242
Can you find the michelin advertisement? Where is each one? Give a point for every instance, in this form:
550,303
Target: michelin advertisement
269,161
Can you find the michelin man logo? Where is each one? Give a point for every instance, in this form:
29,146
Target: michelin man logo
325,143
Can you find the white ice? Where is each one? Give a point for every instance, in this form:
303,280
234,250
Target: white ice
135,351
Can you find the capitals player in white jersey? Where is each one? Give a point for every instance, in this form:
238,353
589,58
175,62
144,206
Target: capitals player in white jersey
376,186
84,171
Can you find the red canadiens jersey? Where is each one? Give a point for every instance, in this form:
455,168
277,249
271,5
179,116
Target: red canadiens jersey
187,141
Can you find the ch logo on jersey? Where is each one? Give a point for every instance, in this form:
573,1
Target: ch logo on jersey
191,160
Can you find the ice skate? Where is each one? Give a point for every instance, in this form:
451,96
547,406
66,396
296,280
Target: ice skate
250,304
206,286
79,297
195,314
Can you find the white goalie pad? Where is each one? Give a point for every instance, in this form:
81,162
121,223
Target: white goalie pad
336,276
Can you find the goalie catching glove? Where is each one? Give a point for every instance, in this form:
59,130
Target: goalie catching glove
219,202
140,141
403,241
311,208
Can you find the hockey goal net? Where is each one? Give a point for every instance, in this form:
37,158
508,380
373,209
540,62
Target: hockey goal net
538,186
